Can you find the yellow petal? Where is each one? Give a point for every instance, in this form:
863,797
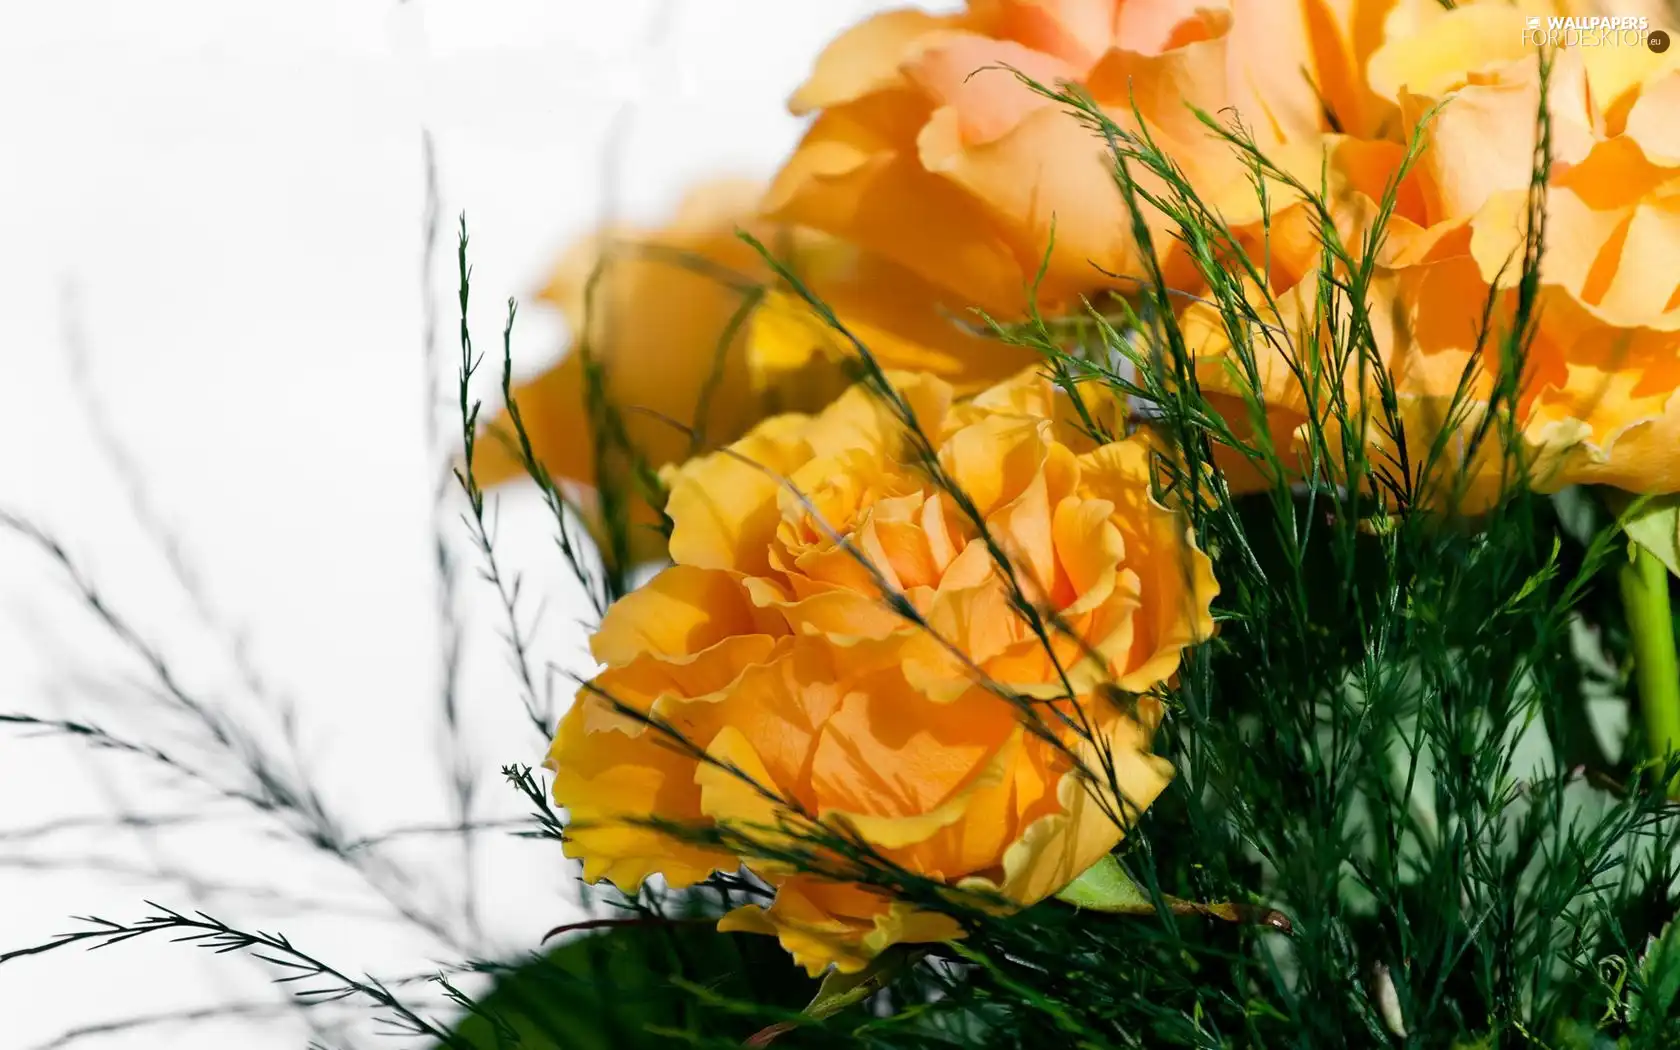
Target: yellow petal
1089,549
889,753
738,792
1443,49
840,924
1058,847
679,612
723,507
1651,121
608,780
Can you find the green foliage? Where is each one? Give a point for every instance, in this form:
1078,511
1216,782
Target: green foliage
1655,994
644,985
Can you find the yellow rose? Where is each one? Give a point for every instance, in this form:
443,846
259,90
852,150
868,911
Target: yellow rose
1599,403
923,154
771,648
659,323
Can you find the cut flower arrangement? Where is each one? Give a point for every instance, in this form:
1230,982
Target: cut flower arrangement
1155,527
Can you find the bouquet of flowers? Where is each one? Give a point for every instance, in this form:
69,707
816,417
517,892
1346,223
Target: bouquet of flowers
1154,528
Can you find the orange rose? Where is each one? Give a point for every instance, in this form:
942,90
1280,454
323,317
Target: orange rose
924,155
769,646
1603,404
1599,404
662,323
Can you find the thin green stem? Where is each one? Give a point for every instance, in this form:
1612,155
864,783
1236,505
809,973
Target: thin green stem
1656,666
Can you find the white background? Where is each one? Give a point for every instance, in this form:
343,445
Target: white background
211,217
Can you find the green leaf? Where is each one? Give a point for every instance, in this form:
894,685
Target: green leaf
1658,987
623,990
1654,524
841,990
1106,887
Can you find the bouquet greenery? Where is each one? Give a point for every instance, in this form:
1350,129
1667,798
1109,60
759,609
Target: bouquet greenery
1155,529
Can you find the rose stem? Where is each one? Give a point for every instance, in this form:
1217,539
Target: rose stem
1656,667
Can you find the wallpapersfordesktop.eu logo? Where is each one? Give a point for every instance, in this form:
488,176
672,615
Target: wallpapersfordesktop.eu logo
1595,31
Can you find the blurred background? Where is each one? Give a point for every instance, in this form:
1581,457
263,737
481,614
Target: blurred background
228,346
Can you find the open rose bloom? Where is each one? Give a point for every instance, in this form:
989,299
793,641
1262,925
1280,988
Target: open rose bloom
928,149
1597,401
942,733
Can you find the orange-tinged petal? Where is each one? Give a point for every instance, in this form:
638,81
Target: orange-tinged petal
902,550
865,59
780,706
1154,28
1624,77
1164,87
978,79
1606,257
969,625
741,795
1616,174
1028,394
1645,290
862,418
1089,549
1108,635
676,375
1078,31
1059,846
1049,175
856,176
994,460
912,836
702,222
988,822
884,751
1175,579
1637,457
1031,394
1177,620
846,618
1303,66
1615,417
1022,527
1483,140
